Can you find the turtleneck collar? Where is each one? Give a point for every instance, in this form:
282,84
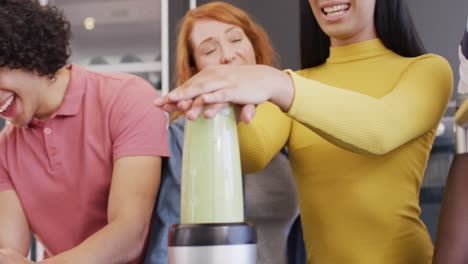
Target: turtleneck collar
358,51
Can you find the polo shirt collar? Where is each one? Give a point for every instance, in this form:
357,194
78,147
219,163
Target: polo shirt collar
73,99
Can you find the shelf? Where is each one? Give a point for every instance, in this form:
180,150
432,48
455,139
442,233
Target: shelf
131,67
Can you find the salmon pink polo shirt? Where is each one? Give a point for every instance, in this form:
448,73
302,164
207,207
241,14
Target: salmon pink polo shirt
61,169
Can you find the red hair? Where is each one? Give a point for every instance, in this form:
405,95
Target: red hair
226,13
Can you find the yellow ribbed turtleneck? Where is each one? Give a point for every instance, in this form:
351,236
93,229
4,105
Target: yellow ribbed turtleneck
359,134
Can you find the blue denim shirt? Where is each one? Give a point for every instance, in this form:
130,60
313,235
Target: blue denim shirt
167,211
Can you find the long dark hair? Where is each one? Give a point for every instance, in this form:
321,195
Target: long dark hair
464,42
393,25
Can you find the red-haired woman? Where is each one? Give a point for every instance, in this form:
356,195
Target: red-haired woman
213,34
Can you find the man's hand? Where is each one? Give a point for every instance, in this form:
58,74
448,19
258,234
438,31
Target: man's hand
9,256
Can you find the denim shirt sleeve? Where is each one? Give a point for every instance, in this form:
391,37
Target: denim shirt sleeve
167,211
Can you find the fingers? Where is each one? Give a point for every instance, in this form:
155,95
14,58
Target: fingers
170,98
217,97
177,107
247,113
244,113
184,105
162,100
206,81
214,109
210,79
170,108
196,109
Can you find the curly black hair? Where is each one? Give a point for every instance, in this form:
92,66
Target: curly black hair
34,38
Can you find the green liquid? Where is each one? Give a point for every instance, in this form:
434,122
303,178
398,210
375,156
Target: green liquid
211,174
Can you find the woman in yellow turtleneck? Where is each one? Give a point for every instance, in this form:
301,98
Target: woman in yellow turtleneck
359,124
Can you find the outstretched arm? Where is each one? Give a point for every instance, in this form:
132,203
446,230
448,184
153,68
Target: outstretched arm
134,186
368,125
351,120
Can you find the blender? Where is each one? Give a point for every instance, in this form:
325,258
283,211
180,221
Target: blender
212,228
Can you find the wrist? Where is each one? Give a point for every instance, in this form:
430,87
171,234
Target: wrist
283,96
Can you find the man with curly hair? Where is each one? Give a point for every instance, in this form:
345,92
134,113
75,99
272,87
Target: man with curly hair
80,162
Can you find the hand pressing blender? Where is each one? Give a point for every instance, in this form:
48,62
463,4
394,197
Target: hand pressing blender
212,230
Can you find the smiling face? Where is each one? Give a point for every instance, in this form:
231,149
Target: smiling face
214,42
345,21
20,96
